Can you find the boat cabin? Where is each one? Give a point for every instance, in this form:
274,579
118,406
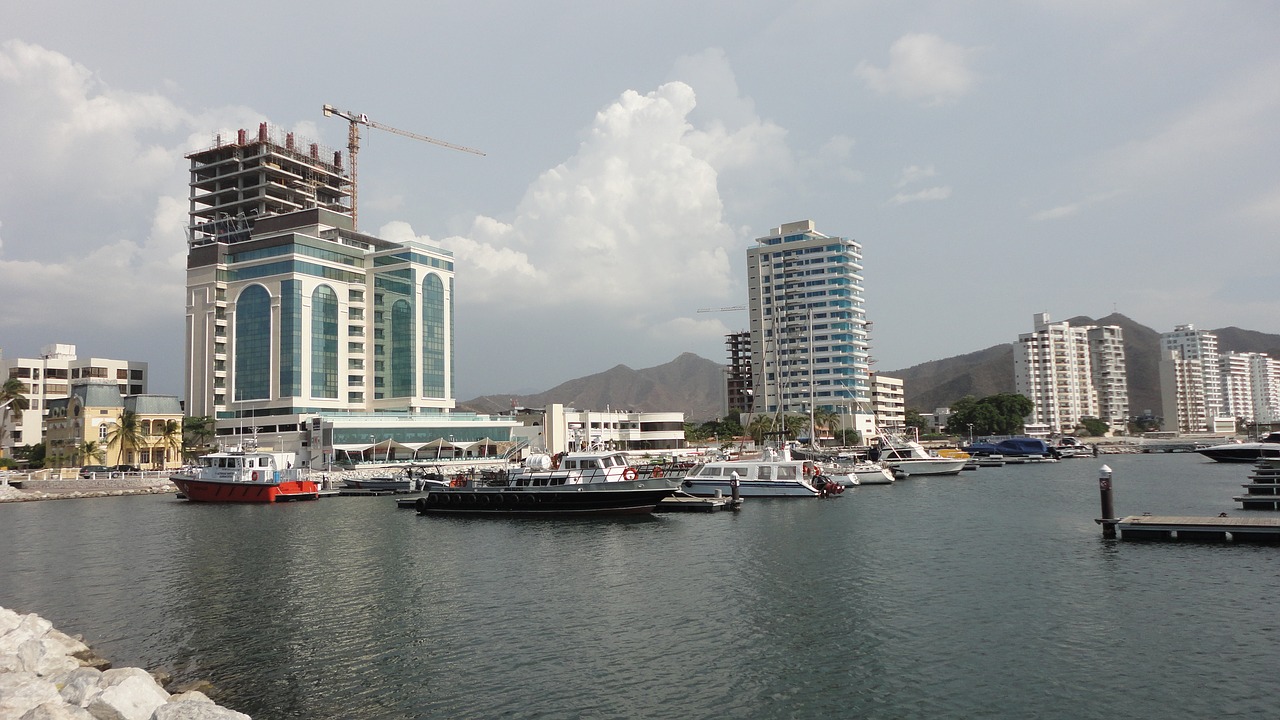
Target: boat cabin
749,470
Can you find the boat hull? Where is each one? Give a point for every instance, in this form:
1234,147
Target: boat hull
197,490
633,498
1241,452
930,466
712,486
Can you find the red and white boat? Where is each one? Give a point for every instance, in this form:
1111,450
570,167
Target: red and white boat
248,477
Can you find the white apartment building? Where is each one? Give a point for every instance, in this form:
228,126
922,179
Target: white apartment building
809,344
1251,387
1051,367
1110,377
1191,395
1182,397
889,400
48,377
1055,367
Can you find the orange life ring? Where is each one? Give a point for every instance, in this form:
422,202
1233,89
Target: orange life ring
657,472
630,474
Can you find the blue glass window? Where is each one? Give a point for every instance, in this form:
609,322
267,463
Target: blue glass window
253,344
324,343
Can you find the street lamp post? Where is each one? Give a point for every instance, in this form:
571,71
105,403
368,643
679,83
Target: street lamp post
970,433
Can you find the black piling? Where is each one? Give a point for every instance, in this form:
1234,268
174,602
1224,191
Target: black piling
1108,520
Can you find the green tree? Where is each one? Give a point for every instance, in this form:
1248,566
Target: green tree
90,450
197,431
1093,426
992,415
916,420
760,427
125,435
171,437
827,419
13,401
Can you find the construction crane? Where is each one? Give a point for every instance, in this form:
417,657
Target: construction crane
732,308
353,143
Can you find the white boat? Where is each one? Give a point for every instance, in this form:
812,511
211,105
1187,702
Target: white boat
861,473
1071,447
774,475
245,476
1267,447
909,457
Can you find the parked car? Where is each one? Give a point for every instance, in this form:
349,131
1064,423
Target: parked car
87,471
128,468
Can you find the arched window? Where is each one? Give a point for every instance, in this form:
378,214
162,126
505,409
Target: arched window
433,345
253,344
324,343
401,349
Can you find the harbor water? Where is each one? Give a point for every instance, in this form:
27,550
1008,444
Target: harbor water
989,594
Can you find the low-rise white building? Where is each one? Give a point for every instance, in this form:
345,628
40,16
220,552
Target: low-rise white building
48,377
557,428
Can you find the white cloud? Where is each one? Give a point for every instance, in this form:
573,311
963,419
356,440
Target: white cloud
914,173
1074,208
1266,208
933,193
922,67
1217,132
633,219
1057,213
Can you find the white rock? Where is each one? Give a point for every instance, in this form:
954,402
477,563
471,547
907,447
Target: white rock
190,696
58,641
22,691
195,710
78,686
130,699
57,711
8,620
115,676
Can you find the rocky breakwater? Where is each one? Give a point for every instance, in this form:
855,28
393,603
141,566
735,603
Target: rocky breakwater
85,488
48,675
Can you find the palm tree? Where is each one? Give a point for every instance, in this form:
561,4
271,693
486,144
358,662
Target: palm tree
196,433
13,400
825,418
759,427
170,433
125,434
90,449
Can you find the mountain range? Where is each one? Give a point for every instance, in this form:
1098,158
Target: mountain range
695,385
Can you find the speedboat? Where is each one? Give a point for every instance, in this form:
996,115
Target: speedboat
1267,447
861,473
245,477
909,458
571,483
1070,447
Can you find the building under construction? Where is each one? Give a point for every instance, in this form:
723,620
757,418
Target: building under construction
270,173
297,322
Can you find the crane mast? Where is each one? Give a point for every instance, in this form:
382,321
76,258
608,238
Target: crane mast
353,144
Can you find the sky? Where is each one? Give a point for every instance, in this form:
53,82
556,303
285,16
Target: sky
994,159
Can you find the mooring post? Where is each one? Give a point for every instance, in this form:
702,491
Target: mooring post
1108,505
733,487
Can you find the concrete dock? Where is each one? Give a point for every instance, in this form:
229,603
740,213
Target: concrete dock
689,503
1198,529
